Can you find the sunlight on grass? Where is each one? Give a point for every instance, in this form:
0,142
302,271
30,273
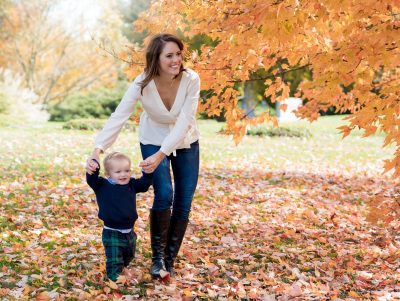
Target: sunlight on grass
49,147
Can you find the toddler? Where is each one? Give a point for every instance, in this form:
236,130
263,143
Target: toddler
116,198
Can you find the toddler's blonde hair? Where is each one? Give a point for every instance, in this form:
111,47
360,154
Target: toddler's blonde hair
114,156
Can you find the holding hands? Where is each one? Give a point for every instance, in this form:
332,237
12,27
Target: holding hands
150,164
92,165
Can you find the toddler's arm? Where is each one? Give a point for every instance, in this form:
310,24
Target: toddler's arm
93,179
142,184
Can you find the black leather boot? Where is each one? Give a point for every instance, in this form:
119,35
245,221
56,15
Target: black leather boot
177,229
159,222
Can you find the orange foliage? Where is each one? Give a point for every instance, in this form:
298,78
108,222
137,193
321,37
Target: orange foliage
342,42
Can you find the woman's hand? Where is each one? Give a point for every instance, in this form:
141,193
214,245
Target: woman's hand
91,165
150,164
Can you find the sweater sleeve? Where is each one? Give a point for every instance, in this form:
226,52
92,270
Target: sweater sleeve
94,180
110,131
142,184
186,118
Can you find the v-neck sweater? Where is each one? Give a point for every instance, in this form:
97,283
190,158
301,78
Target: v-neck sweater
171,129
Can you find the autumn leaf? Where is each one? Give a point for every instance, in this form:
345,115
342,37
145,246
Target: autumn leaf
353,294
283,107
42,296
112,284
120,280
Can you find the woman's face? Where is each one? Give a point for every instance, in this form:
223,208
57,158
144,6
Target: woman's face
170,59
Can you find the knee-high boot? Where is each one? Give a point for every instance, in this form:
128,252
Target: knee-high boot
177,229
159,223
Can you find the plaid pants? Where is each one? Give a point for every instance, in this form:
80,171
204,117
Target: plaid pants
120,250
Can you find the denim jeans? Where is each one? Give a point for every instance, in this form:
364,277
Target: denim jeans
185,168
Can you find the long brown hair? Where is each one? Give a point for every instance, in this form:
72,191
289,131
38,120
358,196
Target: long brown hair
153,52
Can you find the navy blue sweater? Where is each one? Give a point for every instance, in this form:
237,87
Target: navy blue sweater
117,203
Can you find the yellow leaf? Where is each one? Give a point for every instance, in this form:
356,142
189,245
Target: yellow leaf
42,296
61,282
187,292
121,279
112,285
353,294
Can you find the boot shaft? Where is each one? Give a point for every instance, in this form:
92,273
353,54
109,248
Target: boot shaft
177,229
159,225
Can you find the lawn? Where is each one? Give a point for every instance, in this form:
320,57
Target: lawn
273,219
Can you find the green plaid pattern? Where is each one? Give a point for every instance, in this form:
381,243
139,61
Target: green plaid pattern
120,250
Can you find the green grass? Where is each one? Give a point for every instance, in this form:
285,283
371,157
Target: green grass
325,144
64,150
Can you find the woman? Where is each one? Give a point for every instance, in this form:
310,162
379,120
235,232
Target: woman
168,136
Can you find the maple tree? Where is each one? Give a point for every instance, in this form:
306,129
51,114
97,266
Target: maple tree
54,61
344,43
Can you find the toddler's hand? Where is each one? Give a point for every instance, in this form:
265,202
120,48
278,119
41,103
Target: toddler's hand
91,165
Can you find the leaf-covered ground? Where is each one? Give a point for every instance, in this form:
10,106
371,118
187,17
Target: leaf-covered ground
273,219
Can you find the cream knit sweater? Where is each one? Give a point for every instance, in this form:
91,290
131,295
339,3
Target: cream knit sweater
172,129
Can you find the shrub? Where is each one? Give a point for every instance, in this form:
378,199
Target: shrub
4,104
98,104
279,132
7,120
89,124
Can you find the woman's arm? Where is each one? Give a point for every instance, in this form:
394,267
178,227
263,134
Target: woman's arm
110,131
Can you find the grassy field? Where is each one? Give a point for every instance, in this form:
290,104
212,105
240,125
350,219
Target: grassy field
325,146
50,145
273,219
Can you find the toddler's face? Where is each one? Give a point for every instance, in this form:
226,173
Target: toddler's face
120,171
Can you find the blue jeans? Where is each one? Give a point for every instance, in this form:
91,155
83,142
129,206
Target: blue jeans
185,168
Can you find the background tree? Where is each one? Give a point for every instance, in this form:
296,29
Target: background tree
53,60
4,6
130,10
342,42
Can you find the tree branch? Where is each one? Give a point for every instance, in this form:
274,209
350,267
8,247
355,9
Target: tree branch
269,76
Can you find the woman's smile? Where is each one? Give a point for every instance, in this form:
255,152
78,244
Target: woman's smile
170,59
